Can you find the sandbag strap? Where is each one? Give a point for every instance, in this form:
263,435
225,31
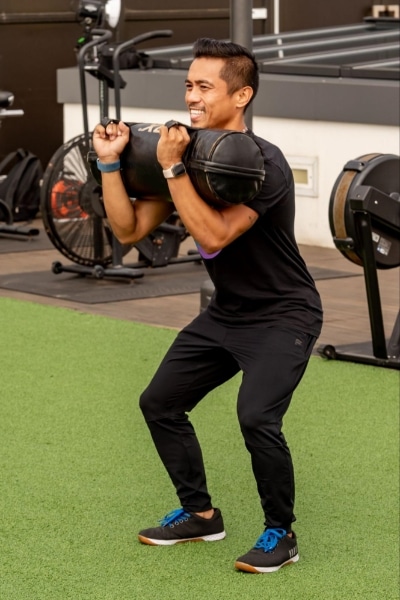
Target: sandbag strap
211,167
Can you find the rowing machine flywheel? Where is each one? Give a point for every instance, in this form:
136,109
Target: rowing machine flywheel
370,183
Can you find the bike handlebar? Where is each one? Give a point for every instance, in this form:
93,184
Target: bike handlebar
158,33
100,37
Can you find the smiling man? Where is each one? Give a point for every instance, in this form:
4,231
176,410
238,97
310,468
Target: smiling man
215,94
262,321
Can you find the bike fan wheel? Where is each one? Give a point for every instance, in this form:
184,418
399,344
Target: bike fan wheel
72,208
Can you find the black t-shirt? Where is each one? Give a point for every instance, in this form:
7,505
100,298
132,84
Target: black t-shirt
261,277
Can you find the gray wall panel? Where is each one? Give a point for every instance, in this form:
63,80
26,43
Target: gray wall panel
338,100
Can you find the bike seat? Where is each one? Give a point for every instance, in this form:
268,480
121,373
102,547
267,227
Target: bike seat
6,99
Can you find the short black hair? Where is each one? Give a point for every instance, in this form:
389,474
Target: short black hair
240,67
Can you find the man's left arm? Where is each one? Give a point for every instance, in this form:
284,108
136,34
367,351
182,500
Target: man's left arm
212,228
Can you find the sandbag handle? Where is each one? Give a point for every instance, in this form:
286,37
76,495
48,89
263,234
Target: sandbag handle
173,123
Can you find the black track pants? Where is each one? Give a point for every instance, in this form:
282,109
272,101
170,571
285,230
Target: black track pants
204,355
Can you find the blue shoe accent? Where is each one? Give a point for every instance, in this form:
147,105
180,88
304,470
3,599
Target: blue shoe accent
174,517
182,526
274,549
269,540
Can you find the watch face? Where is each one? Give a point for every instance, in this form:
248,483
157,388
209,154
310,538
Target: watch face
178,169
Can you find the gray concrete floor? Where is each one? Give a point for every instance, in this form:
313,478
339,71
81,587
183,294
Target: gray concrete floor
346,317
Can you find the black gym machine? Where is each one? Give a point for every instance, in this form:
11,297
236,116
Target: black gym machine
71,199
7,226
364,217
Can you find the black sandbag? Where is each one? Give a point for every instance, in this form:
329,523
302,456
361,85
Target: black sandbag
225,167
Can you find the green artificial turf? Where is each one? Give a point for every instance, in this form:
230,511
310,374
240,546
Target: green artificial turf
79,475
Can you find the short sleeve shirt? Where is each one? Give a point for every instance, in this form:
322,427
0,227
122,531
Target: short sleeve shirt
261,277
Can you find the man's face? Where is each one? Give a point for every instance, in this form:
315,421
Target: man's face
207,98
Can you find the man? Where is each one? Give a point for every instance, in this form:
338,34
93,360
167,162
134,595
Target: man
263,319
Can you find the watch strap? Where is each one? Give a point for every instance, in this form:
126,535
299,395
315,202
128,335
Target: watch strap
108,167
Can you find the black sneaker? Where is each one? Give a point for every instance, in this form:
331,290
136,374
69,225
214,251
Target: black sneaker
274,549
181,526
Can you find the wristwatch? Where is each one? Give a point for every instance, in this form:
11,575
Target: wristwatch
174,171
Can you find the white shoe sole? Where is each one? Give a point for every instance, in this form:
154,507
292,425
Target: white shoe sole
252,569
215,537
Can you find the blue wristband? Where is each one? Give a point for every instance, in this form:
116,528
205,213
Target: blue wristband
108,167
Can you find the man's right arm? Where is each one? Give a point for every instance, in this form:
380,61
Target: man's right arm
130,220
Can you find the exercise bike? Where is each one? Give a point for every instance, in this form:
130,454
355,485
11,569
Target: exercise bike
72,207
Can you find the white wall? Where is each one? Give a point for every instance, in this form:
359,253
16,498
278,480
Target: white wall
333,145
330,145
